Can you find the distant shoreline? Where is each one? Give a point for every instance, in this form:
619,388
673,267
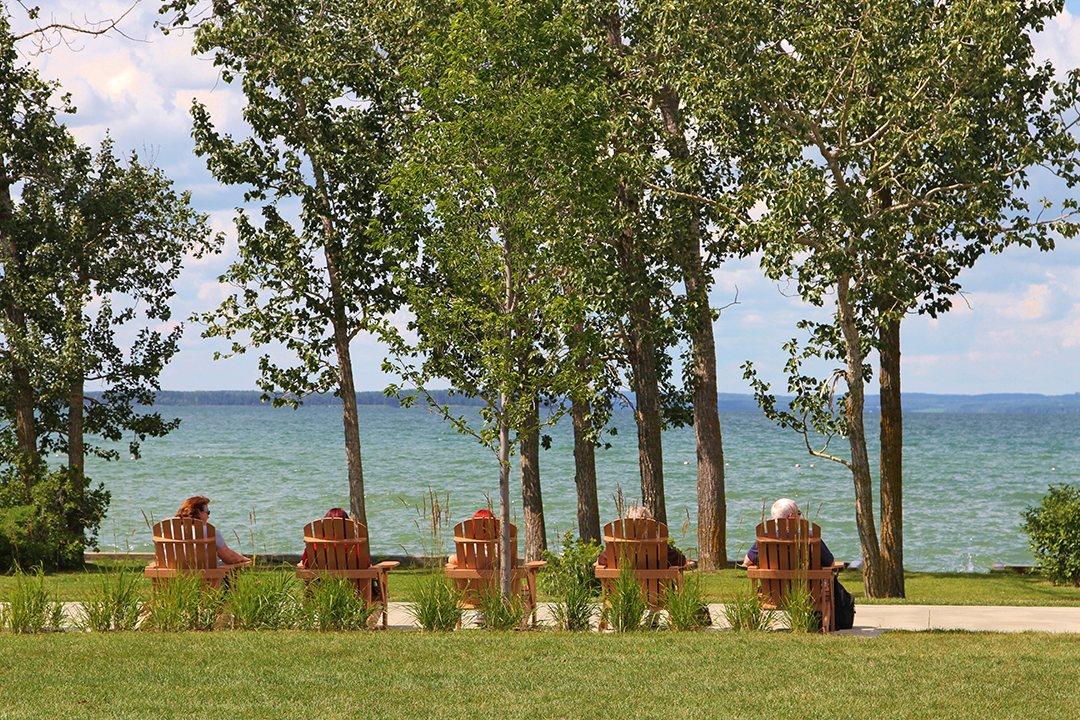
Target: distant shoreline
997,403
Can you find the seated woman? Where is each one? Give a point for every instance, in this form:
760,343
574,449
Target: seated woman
637,512
198,508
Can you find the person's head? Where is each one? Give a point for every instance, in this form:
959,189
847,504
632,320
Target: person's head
483,515
196,508
638,512
336,513
785,507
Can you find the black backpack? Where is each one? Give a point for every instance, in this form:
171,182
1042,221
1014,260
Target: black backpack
843,608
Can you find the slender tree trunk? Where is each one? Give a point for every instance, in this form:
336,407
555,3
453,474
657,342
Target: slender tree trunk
532,503
588,507
892,462
860,461
712,501
504,500
640,348
76,453
22,388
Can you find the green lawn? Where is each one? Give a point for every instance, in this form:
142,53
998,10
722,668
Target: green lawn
995,588
268,675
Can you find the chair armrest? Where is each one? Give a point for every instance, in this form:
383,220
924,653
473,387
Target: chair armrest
535,564
388,564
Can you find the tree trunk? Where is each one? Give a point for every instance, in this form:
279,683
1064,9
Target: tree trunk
892,462
504,500
532,503
76,453
588,507
22,389
712,502
860,461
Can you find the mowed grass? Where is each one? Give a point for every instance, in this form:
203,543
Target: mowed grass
477,674
994,588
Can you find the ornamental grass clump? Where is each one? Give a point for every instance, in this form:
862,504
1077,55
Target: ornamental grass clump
332,604
626,604
571,579
436,604
28,608
263,600
798,604
1053,530
743,612
185,602
686,608
115,602
496,612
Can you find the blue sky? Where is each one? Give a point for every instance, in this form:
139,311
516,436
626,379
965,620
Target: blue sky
1017,329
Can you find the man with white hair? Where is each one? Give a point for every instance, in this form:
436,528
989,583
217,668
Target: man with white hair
783,508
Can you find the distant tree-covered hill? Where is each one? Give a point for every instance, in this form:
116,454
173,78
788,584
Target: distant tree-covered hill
728,402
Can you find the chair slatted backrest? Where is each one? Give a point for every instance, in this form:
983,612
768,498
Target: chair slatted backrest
185,544
792,546
336,544
476,542
642,545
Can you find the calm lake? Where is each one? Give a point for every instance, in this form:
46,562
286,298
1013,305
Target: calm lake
967,478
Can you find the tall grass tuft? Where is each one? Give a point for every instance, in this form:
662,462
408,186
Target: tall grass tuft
627,606
436,604
798,603
185,603
571,579
686,606
263,600
28,608
332,604
498,613
114,603
744,612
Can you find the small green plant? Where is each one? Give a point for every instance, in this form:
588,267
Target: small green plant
744,612
28,608
686,606
498,613
263,600
798,603
1053,530
332,604
114,603
185,602
627,607
570,577
437,603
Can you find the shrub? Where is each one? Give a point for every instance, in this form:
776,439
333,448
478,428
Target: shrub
332,603
798,603
498,613
51,522
28,608
1053,530
114,604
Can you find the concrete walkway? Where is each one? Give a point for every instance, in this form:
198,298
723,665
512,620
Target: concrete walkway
873,620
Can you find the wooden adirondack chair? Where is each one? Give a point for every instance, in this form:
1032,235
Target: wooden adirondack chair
476,542
789,551
186,546
642,545
338,547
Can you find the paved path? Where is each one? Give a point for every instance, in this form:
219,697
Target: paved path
872,620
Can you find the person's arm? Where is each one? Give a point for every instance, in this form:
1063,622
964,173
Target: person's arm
230,556
751,555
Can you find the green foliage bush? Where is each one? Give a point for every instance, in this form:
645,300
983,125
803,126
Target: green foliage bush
437,603
743,611
27,607
686,606
263,600
332,604
185,602
52,522
1053,530
626,605
571,579
115,603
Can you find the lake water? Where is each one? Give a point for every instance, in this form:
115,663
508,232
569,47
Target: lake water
269,471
